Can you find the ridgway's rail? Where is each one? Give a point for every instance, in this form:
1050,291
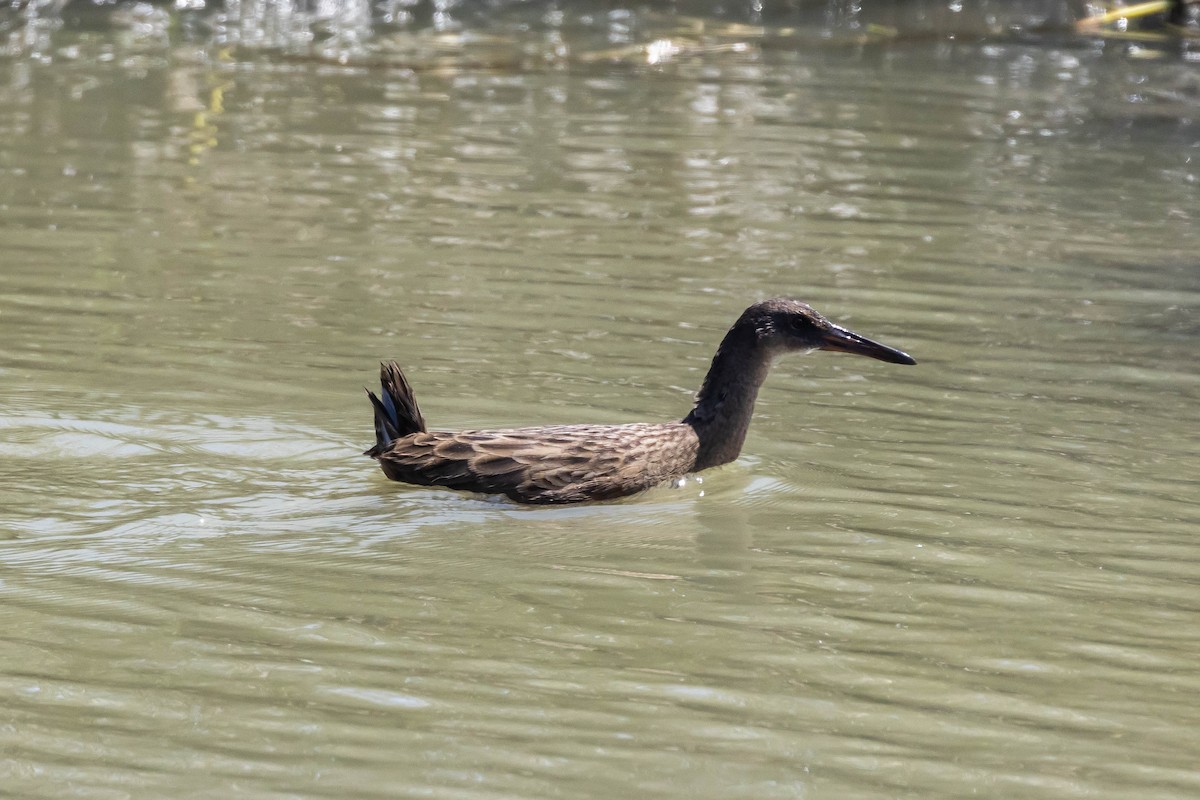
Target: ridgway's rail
579,463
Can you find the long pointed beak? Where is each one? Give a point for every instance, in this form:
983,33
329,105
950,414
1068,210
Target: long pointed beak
844,341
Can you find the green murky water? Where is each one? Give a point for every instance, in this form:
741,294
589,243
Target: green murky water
975,577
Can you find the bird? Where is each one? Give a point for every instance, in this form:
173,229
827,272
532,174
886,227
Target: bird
561,464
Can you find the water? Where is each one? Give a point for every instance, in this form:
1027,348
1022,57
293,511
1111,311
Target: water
977,576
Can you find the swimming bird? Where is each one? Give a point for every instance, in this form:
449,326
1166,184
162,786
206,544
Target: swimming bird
555,464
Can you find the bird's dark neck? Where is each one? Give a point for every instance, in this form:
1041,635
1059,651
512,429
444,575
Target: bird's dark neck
725,401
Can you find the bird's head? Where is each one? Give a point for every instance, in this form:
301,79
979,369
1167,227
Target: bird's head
782,325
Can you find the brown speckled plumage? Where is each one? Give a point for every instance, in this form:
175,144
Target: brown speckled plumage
578,463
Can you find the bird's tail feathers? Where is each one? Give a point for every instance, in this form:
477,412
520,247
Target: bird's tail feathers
396,412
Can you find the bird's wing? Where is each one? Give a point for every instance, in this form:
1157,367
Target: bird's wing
543,465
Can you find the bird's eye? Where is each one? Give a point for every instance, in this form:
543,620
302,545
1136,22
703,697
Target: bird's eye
798,324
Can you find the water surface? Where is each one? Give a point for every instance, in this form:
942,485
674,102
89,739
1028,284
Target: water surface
977,576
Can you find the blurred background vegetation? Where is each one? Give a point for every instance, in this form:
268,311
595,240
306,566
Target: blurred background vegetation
511,34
